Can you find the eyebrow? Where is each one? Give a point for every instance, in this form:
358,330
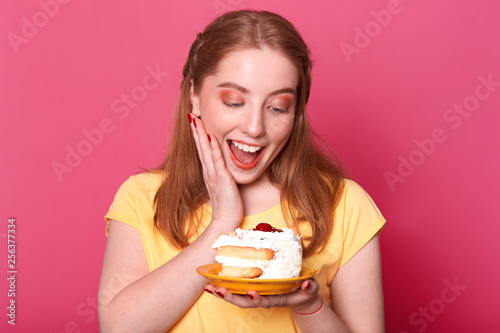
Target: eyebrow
234,85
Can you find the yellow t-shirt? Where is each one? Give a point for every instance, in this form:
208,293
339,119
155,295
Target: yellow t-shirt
356,221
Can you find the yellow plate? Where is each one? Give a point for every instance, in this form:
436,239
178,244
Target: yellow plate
262,286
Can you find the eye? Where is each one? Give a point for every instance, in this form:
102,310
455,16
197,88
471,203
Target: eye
233,105
280,104
277,110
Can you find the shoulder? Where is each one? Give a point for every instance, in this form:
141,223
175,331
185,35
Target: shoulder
352,187
354,195
346,191
142,184
356,210
147,181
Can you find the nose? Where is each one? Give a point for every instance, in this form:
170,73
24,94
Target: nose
253,122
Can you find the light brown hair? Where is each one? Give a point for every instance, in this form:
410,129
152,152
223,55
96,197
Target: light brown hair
310,178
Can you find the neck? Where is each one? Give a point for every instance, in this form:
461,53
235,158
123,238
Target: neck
259,196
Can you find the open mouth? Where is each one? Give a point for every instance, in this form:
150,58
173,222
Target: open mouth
244,156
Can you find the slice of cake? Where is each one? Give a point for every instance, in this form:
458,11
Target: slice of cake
263,252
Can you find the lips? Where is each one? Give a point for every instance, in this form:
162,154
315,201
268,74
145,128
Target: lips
243,155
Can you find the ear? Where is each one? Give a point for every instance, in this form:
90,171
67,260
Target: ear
195,100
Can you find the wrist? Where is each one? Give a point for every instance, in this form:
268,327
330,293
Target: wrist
313,307
218,227
224,224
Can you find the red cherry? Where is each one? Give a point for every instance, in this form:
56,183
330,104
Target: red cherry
266,227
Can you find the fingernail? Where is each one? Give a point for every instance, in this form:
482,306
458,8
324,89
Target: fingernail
194,122
189,117
209,139
308,284
250,296
207,290
220,294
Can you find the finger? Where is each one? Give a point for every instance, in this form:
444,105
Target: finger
202,144
309,286
266,301
218,159
253,295
209,288
194,132
243,301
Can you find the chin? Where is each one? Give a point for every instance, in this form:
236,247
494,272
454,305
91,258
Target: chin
245,179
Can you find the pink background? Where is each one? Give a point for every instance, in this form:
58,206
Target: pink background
66,75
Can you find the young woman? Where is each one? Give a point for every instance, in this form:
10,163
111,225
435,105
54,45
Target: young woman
241,153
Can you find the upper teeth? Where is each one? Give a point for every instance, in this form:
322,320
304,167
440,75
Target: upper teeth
247,148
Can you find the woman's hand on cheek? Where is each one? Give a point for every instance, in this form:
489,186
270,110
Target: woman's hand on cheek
225,198
305,300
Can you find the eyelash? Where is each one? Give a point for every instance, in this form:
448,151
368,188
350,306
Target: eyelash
276,110
234,105
272,108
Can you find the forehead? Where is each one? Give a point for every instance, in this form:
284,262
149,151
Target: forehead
257,70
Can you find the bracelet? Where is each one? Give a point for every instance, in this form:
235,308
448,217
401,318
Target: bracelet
307,314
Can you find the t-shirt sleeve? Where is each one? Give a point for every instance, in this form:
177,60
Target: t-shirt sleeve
124,208
362,220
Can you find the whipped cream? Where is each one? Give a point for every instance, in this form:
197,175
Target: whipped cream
287,259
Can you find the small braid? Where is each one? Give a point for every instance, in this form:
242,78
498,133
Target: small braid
193,51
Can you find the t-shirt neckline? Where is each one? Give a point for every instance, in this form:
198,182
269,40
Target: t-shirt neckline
249,218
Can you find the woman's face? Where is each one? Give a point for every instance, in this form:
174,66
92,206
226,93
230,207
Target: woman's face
249,105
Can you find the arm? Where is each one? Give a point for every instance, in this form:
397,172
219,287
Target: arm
132,299
357,290
356,295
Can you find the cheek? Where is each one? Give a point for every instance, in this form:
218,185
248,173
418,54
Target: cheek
281,128
214,128
210,116
216,124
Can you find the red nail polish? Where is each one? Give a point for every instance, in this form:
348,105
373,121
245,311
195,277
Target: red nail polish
250,296
207,290
209,139
189,117
194,122
308,284
220,294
